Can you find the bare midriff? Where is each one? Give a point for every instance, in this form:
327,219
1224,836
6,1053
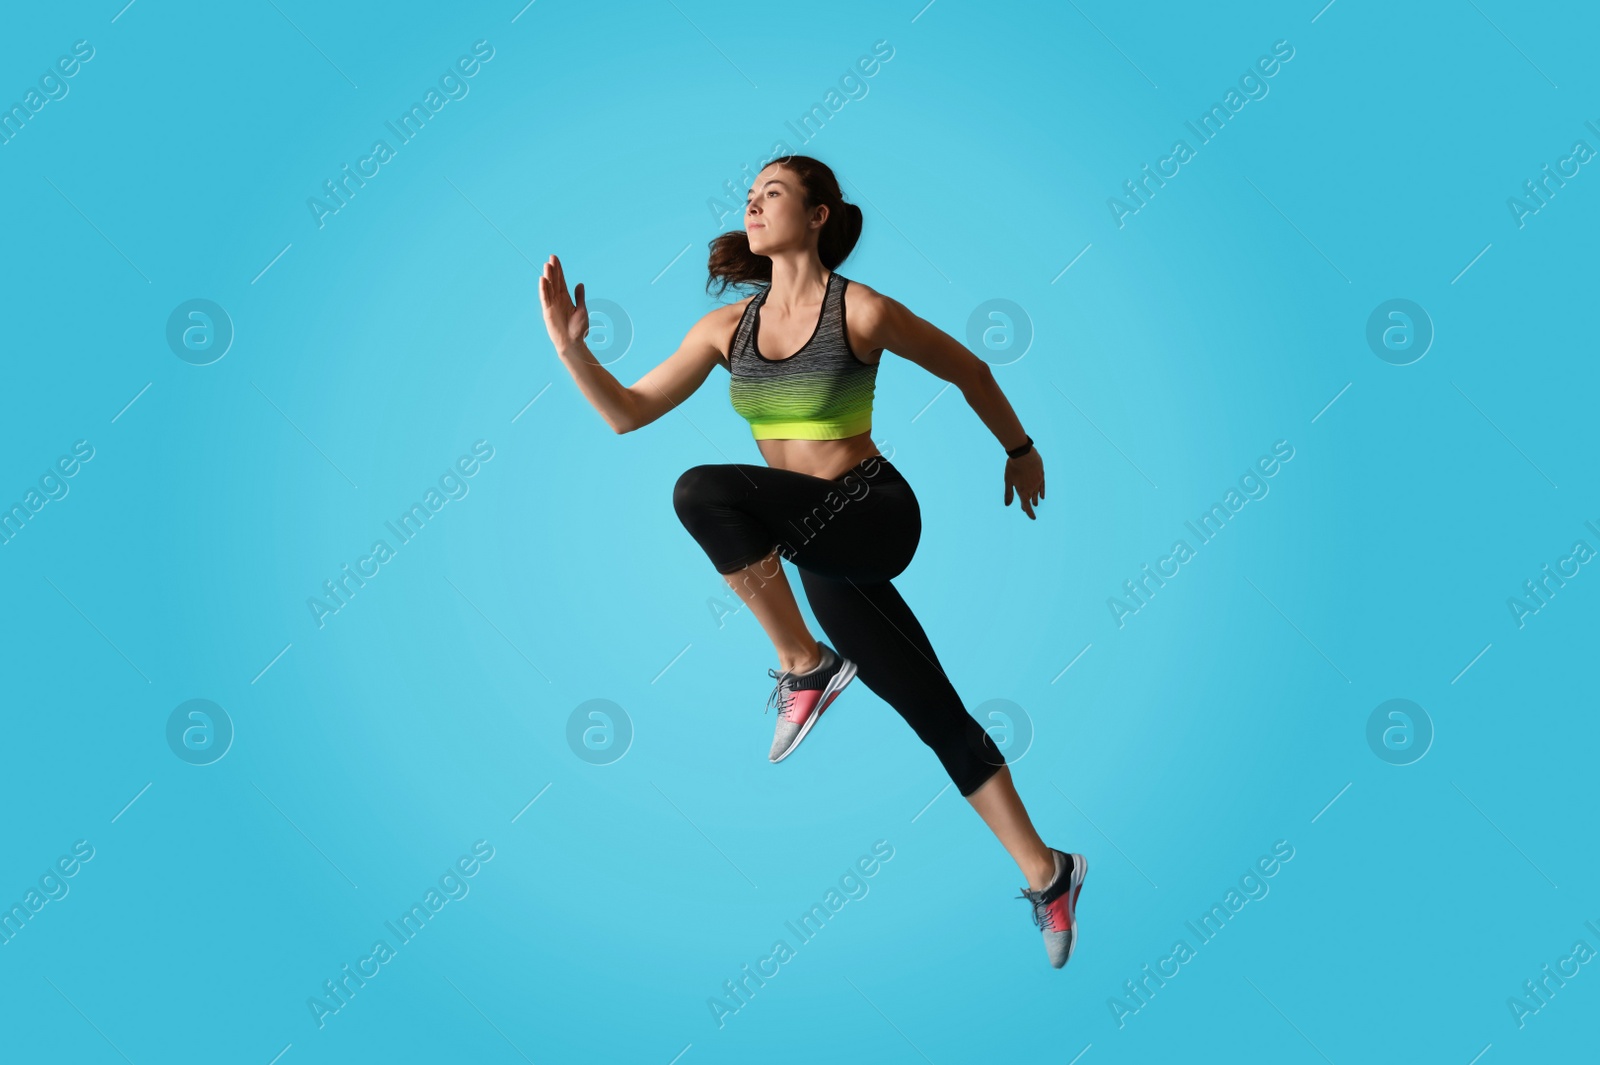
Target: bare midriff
830,459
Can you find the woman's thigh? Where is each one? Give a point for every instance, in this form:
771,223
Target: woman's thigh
865,527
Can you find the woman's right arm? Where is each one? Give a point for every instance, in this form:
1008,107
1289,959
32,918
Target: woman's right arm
624,408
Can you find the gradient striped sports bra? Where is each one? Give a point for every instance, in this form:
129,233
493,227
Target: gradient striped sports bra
821,392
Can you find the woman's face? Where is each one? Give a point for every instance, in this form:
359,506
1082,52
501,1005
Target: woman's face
775,215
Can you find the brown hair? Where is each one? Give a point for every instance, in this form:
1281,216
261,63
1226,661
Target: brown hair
733,263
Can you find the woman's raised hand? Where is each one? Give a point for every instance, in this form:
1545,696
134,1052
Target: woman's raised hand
567,322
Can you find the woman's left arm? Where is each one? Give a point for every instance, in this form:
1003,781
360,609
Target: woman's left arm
887,323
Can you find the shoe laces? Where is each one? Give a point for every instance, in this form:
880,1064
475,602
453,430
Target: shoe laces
1043,912
782,692
1043,918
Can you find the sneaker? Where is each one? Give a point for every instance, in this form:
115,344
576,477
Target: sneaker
1053,906
802,698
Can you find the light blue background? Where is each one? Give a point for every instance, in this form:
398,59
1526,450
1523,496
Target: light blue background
1229,713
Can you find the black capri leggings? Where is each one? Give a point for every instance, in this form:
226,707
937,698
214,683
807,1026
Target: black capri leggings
848,537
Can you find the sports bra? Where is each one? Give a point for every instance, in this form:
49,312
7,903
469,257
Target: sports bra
821,392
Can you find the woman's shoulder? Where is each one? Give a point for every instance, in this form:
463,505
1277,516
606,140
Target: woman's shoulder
862,310
720,323
865,302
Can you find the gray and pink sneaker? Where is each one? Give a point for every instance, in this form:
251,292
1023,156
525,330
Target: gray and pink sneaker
802,699
1054,906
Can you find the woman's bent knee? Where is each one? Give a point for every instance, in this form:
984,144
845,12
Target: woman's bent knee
696,487
976,777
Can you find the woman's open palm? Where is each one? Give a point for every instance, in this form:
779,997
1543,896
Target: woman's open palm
567,322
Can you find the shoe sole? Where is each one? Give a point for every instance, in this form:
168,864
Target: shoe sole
1080,869
847,673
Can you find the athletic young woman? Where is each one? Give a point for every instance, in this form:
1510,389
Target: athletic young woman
802,372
